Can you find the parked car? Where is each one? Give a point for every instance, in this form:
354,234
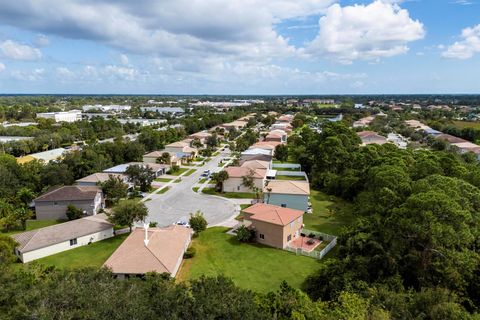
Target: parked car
309,210
183,223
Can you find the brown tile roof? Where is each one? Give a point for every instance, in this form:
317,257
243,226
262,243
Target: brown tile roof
449,138
200,135
100,177
273,214
256,164
67,193
287,187
48,236
238,172
270,145
165,248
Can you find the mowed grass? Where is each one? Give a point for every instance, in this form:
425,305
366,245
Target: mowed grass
467,124
296,178
178,172
190,172
35,224
251,266
231,195
93,255
163,179
330,214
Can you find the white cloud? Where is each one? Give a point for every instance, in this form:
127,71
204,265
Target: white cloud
365,32
124,59
34,75
467,47
65,73
17,51
2,67
42,40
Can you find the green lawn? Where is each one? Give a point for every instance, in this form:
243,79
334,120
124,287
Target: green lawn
286,169
251,266
163,190
231,195
190,172
163,179
330,214
216,153
298,178
195,189
93,255
178,180
178,172
35,224
203,180
467,124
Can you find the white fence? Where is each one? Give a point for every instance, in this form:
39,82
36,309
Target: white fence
315,254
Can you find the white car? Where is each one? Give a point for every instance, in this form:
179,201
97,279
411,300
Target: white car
309,210
183,223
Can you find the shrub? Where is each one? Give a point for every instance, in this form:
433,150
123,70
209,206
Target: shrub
197,222
73,212
311,235
245,235
153,224
190,253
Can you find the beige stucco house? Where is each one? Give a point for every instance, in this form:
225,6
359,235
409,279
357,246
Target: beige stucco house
53,204
274,226
43,242
152,250
154,155
234,183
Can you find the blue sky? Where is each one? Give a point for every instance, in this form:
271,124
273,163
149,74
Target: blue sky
239,46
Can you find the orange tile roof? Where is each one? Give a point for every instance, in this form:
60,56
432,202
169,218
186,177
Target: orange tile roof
273,214
255,164
165,248
288,187
239,172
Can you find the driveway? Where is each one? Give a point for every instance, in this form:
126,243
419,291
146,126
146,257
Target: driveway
178,202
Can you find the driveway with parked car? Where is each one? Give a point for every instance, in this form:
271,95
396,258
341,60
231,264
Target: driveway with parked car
177,203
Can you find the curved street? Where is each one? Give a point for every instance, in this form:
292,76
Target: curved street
178,202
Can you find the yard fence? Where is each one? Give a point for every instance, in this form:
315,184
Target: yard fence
315,254
293,174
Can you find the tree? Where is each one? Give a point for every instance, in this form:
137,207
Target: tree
197,222
141,176
25,196
219,178
22,214
196,143
114,189
164,158
73,212
212,141
245,235
248,181
126,212
281,152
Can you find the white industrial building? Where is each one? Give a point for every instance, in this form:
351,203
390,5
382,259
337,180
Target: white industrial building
62,116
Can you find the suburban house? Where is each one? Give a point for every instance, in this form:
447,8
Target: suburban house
97,178
234,183
53,204
43,242
363,122
182,148
257,151
45,156
287,193
287,118
274,226
250,157
276,136
202,136
287,127
150,250
237,125
370,137
466,147
267,145
157,168
256,164
449,138
154,155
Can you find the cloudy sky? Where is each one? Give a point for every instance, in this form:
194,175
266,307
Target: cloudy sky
240,46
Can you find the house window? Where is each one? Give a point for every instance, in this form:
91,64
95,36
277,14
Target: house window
261,236
289,237
284,205
73,242
238,188
55,203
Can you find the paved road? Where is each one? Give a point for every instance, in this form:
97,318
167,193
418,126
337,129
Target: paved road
178,202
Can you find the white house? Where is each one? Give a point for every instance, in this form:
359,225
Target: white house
44,242
234,183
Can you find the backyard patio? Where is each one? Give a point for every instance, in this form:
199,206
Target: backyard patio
305,243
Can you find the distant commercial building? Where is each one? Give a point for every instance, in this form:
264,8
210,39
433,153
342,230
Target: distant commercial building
143,122
163,110
4,139
108,108
63,116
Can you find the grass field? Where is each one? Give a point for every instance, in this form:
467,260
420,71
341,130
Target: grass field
190,172
287,169
93,255
163,179
163,190
250,266
203,180
298,178
467,124
231,195
195,189
35,224
179,172
330,214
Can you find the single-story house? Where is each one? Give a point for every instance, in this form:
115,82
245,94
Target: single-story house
97,178
45,156
276,136
257,151
449,138
250,157
154,155
150,250
256,164
282,126
53,204
182,147
202,136
234,183
157,168
44,242
287,118
370,137
237,125
287,193
274,226
363,122
267,145
466,147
